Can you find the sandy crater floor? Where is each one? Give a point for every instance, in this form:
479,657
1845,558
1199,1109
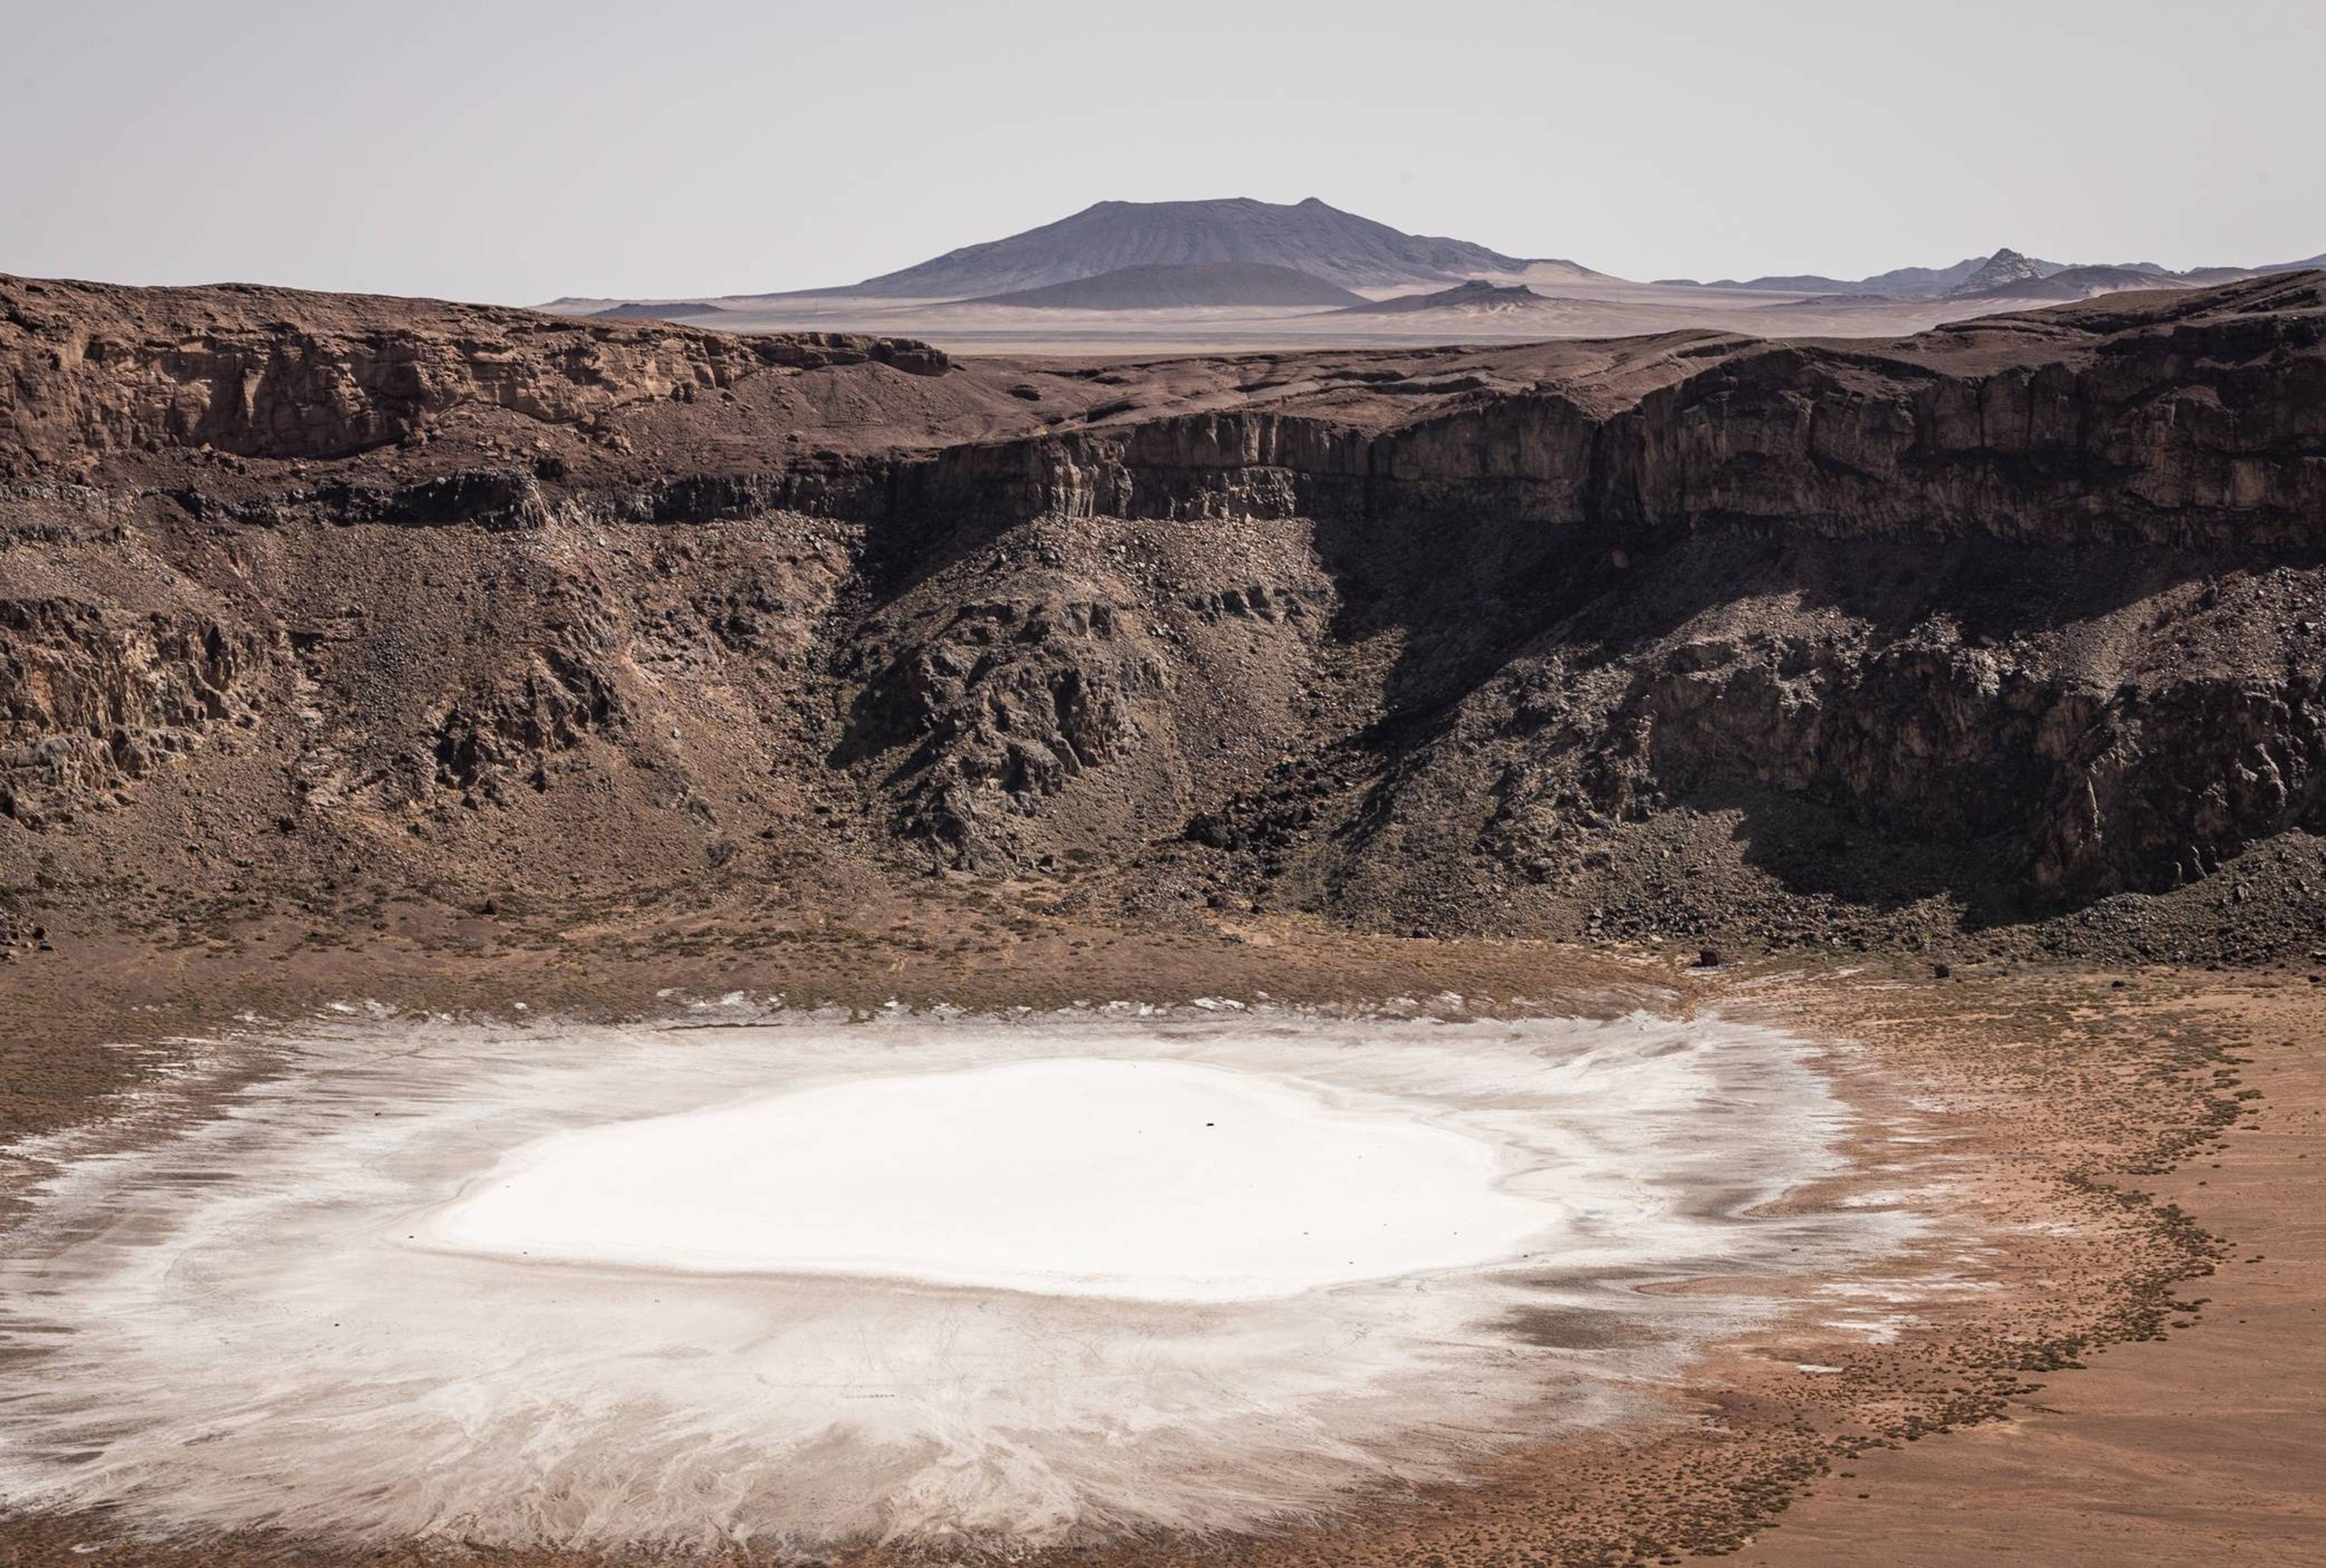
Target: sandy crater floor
802,1283
1964,1166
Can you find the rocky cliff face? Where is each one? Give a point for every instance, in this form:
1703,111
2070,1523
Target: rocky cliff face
2018,620
93,696
2197,426
267,373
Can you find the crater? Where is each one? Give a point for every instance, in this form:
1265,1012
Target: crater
960,1284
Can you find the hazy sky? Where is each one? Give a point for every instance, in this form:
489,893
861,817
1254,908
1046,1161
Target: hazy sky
514,152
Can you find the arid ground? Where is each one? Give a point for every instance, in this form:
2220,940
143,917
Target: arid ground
2110,1349
1950,700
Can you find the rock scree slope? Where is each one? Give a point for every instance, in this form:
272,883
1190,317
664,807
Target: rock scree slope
2016,626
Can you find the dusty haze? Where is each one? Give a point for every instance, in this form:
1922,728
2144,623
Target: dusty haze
521,151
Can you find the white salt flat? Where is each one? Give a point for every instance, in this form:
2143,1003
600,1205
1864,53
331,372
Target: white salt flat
658,1289
1155,1180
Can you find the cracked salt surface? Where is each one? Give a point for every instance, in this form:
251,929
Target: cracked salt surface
795,1282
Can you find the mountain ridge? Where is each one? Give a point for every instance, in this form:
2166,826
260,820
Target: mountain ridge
1171,285
1138,242
1309,236
2002,270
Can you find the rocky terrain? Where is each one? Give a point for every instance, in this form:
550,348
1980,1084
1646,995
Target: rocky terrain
385,659
2006,635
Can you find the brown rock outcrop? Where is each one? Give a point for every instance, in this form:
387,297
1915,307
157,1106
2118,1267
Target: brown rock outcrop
2008,621
270,373
91,697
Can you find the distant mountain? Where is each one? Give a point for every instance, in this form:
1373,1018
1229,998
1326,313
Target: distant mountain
2005,274
640,310
1179,286
1915,282
1788,282
2205,277
1475,297
2004,271
2072,283
1309,236
1167,254
1897,283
